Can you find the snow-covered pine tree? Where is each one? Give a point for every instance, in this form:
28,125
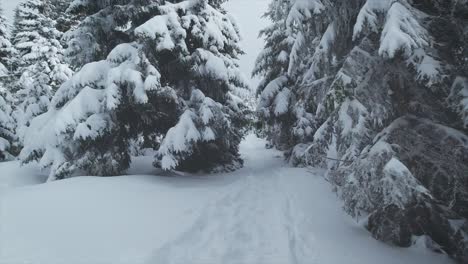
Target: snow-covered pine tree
164,75
104,25
7,125
38,62
57,11
289,39
380,84
7,135
200,65
6,48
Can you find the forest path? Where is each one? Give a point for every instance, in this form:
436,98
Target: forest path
254,220
264,213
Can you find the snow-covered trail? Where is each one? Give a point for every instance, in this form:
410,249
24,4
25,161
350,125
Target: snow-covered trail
273,214
252,221
265,213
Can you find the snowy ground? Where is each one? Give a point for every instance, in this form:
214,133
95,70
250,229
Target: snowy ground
265,213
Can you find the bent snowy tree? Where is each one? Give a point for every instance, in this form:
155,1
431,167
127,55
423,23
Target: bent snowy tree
164,79
376,91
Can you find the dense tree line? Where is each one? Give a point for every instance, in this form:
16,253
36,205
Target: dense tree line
7,124
95,80
375,91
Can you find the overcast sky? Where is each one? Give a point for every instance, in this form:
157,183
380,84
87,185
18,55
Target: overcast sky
248,15
9,6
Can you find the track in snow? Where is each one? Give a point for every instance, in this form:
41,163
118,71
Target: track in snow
265,213
253,221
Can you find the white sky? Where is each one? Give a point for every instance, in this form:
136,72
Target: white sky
8,7
247,13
